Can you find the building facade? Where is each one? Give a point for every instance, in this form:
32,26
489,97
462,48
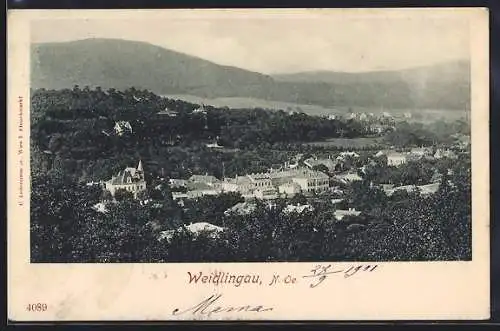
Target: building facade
122,127
311,181
289,189
278,182
129,179
396,159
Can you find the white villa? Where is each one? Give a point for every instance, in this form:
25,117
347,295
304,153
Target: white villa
289,189
421,151
214,145
253,185
269,193
121,127
445,153
200,109
174,182
396,159
362,117
427,189
206,179
241,208
298,208
343,155
167,112
130,179
329,163
377,128
195,228
308,180
340,214
348,177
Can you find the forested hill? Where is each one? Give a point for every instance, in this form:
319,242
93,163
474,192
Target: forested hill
72,131
120,64
456,72
445,84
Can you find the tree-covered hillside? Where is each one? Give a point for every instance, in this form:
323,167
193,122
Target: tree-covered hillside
73,130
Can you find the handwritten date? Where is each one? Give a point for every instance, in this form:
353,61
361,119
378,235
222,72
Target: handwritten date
320,272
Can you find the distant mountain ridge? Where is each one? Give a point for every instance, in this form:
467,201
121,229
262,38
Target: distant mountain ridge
455,71
120,64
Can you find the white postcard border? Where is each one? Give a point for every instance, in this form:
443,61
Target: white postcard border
89,292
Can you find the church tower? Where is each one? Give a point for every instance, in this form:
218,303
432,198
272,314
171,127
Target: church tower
140,170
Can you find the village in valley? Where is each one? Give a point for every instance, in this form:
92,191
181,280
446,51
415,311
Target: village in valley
172,177
299,182
313,176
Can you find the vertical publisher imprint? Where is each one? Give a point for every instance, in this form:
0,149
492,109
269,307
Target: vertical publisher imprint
20,150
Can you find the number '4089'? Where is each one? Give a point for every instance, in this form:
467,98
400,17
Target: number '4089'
37,307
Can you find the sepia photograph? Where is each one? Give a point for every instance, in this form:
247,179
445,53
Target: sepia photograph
205,144
223,154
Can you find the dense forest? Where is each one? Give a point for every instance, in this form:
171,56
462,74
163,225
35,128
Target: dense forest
73,142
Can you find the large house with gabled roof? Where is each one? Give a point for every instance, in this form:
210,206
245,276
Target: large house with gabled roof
130,179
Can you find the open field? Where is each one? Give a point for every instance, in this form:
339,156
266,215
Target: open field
420,115
240,102
353,143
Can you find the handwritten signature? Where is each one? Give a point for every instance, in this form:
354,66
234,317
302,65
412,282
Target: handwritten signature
211,306
320,272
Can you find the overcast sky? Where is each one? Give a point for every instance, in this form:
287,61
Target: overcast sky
281,43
